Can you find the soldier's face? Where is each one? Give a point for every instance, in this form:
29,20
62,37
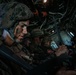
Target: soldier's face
37,40
21,30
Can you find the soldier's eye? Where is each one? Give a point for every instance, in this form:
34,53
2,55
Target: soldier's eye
23,25
19,31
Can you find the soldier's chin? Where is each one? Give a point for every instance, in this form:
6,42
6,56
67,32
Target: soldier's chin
20,39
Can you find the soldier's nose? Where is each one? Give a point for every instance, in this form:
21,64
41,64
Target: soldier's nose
24,30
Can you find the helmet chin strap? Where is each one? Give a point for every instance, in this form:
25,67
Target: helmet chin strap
11,30
11,33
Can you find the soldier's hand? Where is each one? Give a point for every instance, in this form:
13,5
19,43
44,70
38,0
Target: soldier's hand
62,49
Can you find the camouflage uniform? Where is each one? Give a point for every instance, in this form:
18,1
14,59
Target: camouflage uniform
35,48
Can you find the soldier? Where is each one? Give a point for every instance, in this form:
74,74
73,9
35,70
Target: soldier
14,28
15,22
61,57
35,50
